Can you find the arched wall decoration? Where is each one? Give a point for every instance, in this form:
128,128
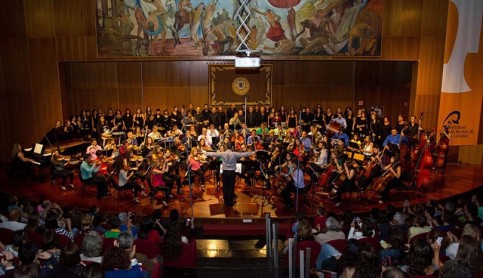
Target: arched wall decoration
230,85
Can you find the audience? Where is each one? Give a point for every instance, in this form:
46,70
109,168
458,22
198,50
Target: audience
442,239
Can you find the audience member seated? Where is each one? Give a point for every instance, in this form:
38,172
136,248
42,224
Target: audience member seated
126,242
12,223
60,223
333,261
421,259
126,224
70,262
114,223
92,248
117,263
332,232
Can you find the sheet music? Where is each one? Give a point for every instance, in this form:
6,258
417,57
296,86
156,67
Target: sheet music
38,148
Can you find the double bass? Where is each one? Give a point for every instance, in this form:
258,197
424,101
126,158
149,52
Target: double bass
440,155
422,170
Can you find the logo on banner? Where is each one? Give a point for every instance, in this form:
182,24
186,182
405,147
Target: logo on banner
457,129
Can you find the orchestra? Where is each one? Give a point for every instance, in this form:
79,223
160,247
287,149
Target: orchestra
337,153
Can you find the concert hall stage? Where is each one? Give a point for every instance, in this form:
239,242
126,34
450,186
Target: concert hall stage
208,207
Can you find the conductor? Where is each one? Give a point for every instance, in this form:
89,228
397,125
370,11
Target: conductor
228,164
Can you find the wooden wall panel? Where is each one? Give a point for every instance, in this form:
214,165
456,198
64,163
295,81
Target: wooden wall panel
39,18
89,8
429,105
10,13
154,74
129,75
199,95
130,98
69,18
177,96
410,17
43,66
392,21
177,73
155,97
71,48
198,73
46,107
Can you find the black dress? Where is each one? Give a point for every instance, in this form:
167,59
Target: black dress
139,121
292,121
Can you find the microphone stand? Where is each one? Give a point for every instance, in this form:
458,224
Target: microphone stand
297,178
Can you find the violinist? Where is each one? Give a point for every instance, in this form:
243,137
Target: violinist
171,161
147,146
189,141
138,133
127,181
88,172
196,166
237,140
58,163
296,182
394,170
155,135
346,180
213,134
104,165
262,130
367,146
202,146
93,148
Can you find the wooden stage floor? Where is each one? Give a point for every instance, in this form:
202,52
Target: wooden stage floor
207,205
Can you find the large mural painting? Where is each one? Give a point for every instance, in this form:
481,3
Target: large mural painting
209,27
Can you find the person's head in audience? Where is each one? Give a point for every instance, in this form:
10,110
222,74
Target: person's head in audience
70,255
14,214
304,230
125,241
92,245
367,228
472,231
33,222
393,272
93,270
398,219
31,270
420,221
147,224
332,224
456,268
115,258
51,220
469,251
173,215
114,222
27,253
50,240
420,257
368,262
396,237
18,238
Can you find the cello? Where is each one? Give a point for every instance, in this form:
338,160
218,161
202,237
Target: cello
381,182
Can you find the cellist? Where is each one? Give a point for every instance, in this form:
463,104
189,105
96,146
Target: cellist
394,171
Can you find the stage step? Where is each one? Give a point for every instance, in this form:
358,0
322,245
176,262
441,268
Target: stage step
232,253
